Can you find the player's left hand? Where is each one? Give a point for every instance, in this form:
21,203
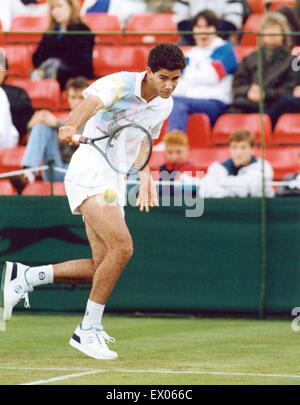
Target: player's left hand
147,196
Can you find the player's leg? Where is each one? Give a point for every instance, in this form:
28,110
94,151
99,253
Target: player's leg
17,279
106,224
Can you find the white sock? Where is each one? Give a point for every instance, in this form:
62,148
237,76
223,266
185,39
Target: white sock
93,315
40,275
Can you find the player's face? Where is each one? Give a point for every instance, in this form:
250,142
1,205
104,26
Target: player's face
75,97
273,41
61,11
164,82
176,153
203,40
241,153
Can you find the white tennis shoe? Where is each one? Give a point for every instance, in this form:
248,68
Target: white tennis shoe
92,342
14,287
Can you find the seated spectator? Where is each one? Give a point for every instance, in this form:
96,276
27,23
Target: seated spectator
62,56
43,142
205,86
279,78
20,104
9,135
232,15
177,164
241,175
293,189
10,9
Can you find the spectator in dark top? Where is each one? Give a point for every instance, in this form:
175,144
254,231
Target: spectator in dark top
293,189
43,143
19,102
64,56
279,78
177,166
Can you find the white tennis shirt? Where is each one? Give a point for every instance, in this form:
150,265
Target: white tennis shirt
121,96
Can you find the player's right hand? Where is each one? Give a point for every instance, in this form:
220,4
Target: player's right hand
66,133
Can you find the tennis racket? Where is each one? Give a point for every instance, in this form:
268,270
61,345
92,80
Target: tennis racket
127,150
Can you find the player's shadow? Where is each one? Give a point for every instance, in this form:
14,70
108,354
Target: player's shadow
21,238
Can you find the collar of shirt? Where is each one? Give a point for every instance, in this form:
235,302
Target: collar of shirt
138,90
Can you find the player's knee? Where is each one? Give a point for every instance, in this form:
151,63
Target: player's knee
125,250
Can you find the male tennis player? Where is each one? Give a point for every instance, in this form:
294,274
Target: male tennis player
146,99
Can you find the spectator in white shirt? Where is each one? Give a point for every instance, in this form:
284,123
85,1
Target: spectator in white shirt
241,175
9,9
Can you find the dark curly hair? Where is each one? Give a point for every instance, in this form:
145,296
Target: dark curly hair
166,56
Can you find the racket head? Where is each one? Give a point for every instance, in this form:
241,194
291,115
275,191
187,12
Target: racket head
129,149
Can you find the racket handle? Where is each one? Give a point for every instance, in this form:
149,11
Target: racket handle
79,138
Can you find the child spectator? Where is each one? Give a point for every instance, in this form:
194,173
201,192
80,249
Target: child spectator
43,143
64,56
177,166
205,86
279,78
241,175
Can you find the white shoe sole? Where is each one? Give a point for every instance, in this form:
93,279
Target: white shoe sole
84,350
6,275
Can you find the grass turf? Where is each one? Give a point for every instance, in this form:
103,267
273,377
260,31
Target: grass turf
35,347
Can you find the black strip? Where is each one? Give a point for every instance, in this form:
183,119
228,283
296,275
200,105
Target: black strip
76,337
14,272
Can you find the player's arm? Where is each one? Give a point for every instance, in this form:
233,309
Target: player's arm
147,196
82,113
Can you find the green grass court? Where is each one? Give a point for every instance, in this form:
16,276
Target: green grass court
158,351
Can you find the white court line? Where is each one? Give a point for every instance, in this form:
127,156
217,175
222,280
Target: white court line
68,376
63,377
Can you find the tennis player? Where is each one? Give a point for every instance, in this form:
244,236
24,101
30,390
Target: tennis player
144,98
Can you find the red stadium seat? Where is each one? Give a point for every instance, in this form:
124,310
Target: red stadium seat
163,22
277,3
6,188
227,123
242,51
43,93
11,158
44,188
19,60
252,24
287,130
257,6
26,25
198,130
284,160
98,22
108,59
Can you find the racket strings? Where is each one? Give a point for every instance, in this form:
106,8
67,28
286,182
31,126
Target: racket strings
143,154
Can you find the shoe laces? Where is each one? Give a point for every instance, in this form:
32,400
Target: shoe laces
103,337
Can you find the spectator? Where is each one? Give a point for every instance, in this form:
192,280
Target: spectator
232,14
20,104
9,135
64,56
279,78
293,189
10,9
43,143
241,175
205,86
177,166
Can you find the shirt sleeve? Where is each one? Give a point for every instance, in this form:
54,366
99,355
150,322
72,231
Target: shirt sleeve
109,89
